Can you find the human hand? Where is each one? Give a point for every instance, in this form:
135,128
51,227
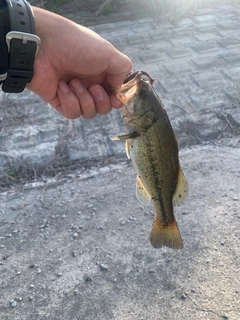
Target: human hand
75,69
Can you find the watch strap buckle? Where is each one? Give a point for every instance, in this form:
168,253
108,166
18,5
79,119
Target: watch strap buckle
25,37
20,47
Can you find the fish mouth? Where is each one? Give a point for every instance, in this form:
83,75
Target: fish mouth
144,73
129,88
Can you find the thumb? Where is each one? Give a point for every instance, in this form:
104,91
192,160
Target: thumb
118,69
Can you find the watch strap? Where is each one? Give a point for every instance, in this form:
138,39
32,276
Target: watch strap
21,16
4,29
22,46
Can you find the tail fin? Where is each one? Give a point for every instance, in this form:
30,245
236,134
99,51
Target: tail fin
168,236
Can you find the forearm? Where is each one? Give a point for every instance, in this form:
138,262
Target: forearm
49,25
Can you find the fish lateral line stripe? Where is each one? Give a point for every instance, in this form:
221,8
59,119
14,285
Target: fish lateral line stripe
159,190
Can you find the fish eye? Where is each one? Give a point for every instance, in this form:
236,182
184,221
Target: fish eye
142,94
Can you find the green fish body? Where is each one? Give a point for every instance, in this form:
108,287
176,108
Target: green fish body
153,148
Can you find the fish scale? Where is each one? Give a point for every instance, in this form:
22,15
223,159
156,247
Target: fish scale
156,178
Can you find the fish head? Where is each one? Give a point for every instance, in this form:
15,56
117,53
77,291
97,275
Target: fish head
139,101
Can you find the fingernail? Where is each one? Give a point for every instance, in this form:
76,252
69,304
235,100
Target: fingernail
77,87
63,87
97,92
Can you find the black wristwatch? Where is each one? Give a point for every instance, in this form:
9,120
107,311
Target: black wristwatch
21,45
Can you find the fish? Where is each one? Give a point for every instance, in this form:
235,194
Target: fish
152,146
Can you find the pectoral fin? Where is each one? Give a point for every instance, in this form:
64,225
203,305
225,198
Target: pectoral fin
141,193
132,135
181,191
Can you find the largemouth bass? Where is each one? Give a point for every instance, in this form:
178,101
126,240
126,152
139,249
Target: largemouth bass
153,148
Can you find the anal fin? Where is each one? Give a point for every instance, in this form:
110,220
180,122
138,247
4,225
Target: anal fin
142,195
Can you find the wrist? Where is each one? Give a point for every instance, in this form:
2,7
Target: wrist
41,22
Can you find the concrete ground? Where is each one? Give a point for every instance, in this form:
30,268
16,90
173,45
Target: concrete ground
76,246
